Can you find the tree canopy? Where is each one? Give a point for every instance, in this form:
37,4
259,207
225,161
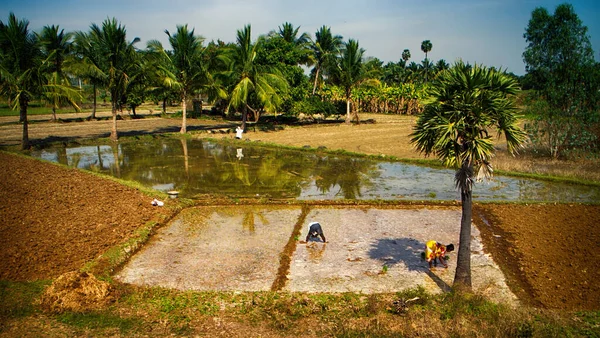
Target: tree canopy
560,65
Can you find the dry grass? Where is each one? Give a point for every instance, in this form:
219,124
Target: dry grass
389,136
76,292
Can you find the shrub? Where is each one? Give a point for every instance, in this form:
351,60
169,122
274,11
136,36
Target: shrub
313,106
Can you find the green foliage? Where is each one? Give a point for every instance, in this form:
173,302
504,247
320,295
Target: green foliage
557,135
312,106
560,66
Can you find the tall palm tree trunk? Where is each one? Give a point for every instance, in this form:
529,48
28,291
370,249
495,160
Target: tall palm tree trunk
23,118
244,117
462,278
93,117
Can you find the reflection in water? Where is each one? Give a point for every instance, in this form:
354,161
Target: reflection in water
315,251
215,168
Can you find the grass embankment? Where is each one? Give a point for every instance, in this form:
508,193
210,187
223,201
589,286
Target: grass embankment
156,312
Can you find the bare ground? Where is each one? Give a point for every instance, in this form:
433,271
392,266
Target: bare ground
56,219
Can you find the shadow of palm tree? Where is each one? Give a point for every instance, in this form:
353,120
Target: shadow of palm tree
408,252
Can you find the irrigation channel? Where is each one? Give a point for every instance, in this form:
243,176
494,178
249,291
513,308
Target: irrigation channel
257,247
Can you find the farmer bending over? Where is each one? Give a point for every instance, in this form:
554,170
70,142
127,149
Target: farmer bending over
314,232
435,251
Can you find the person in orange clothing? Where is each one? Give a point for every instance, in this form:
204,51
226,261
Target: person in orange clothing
435,251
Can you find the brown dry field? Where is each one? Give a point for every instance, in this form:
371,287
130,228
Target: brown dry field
56,219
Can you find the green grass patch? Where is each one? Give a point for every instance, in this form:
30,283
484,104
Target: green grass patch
97,321
155,310
17,298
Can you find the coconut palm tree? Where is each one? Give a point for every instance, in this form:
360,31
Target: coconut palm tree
118,60
349,73
465,105
56,51
325,48
426,48
88,65
251,78
20,61
184,69
290,34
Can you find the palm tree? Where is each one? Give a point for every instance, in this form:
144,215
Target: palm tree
426,48
441,65
406,56
325,49
290,34
20,61
465,104
118,61
56,50
88,66
350,73
184,68
264,82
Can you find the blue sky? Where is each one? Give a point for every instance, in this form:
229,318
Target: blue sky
483,31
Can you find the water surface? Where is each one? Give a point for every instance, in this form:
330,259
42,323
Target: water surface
198,167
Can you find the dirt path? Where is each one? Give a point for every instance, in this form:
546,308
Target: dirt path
56,219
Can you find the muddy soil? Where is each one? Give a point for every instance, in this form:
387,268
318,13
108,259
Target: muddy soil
56,219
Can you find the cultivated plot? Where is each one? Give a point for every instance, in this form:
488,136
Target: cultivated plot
368,250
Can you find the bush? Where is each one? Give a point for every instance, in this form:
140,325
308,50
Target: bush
313,106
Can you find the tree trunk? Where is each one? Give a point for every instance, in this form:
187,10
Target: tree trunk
94,106
244,117
462,278
184,115
23,118
53,113
164,104
113,133
316,81
348,110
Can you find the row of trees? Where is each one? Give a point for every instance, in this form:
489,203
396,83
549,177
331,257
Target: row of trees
248,76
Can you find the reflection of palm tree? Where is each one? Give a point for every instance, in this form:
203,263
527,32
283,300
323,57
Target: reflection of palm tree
349,174
240,172
186,163
115,150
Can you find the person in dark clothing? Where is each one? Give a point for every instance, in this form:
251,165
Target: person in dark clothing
314,232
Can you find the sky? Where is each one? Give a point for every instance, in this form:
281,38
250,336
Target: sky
488,32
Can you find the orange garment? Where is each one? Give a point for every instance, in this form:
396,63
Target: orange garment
434,250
